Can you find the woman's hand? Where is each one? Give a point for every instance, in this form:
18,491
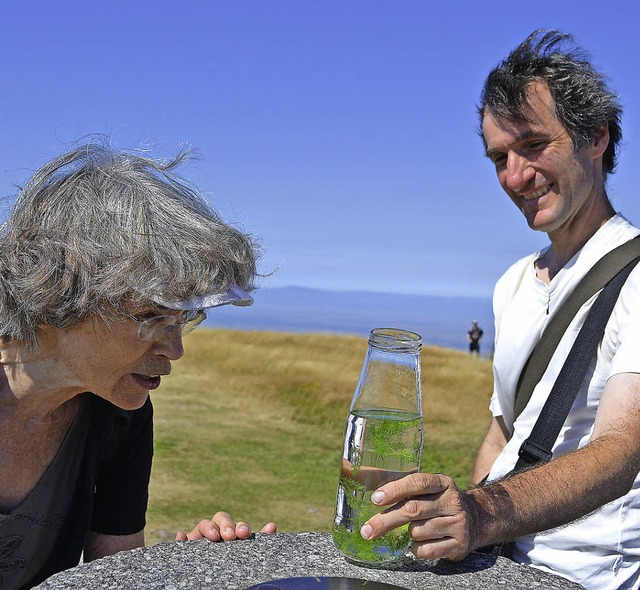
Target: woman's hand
223,528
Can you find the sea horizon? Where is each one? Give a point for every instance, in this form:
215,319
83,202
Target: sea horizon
440,320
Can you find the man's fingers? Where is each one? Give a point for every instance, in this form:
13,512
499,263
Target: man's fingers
437,528
445,548
446,537
405,512
416,484
431,502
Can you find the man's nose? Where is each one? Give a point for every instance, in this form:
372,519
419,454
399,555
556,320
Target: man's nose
518,172
170,345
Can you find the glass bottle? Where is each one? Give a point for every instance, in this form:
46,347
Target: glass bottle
383,440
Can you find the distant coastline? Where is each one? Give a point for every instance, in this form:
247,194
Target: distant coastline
442,321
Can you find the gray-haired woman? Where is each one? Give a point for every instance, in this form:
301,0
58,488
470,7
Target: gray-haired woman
106,261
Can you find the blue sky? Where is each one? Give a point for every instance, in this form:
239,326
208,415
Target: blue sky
341,133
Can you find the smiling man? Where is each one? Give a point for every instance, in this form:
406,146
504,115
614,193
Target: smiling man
551,127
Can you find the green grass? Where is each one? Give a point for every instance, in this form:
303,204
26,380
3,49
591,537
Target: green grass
252,423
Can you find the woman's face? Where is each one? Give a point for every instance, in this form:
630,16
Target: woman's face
112,362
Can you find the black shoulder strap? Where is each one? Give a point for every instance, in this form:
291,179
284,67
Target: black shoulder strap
596,278
537,448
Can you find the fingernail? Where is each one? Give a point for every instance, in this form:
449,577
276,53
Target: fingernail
366,531
230,531
377,497
243,527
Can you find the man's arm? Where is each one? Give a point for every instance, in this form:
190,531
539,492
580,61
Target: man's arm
447,523
97,545
494,441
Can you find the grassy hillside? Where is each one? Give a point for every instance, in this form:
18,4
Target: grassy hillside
251,422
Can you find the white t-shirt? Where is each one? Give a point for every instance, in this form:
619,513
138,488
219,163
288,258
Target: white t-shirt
601,551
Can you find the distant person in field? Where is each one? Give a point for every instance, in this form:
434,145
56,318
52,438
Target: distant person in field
107,260
551,128
473,336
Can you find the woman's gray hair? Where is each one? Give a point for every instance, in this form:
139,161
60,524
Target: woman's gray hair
98,230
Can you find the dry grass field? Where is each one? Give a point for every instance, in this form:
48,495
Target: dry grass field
251,422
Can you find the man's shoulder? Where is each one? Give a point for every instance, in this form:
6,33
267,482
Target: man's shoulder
516,271
615,232
511,280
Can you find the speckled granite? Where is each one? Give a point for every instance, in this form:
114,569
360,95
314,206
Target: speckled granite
238,564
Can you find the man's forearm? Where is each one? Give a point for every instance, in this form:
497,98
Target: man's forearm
485,459
551,495
492,445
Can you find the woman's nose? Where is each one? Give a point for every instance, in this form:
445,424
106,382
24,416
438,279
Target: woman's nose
170,344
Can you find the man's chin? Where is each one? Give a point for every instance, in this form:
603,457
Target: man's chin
542,223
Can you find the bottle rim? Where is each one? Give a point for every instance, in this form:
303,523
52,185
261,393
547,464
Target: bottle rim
395,340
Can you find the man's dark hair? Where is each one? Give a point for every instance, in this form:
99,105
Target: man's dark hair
583,102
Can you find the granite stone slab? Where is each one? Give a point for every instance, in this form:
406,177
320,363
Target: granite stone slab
237,565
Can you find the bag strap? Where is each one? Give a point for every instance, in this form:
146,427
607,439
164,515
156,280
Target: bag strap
596,278
537,448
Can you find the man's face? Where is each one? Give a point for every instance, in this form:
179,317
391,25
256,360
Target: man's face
554,186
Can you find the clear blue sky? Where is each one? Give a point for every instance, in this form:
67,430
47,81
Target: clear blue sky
342,133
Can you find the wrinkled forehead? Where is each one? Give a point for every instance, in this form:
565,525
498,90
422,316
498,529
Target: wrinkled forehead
537,119
536,111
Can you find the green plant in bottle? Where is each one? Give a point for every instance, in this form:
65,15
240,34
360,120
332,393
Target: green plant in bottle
383,442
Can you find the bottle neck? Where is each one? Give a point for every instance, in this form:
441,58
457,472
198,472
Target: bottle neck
395,340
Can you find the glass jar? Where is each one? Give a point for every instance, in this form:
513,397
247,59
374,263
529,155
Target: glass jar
383,440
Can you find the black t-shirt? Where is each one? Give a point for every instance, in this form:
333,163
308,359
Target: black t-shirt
475,334
97,482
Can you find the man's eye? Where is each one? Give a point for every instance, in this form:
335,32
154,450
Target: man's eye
499,159
536,146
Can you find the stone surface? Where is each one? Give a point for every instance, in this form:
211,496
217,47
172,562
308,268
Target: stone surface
237,565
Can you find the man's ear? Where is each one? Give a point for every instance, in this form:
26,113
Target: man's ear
600,141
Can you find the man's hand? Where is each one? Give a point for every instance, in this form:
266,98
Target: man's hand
447,523
222,527
440,517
